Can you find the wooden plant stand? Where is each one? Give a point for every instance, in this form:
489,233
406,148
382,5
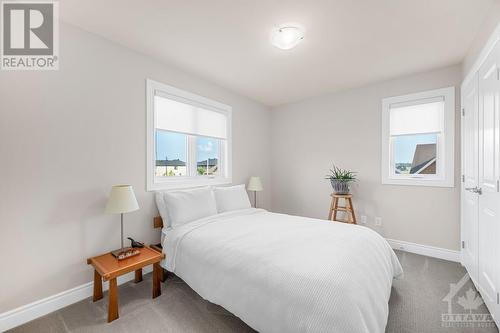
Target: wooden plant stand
348,208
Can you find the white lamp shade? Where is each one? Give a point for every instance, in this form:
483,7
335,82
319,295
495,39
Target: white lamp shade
121,200
254,184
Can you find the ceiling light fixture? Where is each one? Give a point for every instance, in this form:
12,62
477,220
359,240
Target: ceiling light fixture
287,36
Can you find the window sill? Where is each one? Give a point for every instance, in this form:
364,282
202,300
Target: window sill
419,182
183,183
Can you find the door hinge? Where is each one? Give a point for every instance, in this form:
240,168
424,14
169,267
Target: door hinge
498,298
463,112
498,73
463,244
498,185
463,178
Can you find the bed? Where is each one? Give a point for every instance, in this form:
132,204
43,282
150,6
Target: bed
284,273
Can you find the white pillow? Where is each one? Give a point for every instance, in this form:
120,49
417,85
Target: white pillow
162,208
231,198
188,205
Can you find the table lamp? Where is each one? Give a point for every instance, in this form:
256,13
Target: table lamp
122,200
255,185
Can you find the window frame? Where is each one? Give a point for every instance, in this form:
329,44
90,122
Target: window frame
192,179
445,150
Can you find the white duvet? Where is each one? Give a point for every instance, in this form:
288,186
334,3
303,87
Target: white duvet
283,273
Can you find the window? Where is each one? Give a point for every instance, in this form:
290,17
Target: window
418,138
170,152
189,141
207,152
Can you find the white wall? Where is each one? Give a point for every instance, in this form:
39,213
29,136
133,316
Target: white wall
345,128
66,136
482,36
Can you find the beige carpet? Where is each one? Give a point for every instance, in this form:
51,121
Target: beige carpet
415,306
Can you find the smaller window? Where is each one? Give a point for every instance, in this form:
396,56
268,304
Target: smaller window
171,152
415,154
207,152
417,138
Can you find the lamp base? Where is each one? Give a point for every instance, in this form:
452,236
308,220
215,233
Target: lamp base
125,253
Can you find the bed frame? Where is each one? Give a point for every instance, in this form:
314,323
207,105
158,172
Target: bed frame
157,222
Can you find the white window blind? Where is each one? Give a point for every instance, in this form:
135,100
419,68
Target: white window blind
172,115
417,118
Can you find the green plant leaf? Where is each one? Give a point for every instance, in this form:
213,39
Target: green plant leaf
341,175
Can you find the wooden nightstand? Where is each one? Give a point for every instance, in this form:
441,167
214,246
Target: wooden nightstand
107,267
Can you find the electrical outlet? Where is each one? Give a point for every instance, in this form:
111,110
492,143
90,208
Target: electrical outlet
378,221
363,219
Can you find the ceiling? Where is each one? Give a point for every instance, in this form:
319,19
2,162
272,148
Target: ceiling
348,43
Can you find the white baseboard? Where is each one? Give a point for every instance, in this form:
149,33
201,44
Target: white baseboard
28,312
425,250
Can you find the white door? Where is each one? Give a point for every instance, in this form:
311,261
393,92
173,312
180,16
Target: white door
489,199
470,181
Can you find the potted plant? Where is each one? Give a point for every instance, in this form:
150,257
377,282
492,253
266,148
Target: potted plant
341,180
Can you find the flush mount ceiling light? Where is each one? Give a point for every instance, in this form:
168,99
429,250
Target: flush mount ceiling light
287,36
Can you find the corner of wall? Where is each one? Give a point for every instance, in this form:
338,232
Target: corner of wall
488,31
